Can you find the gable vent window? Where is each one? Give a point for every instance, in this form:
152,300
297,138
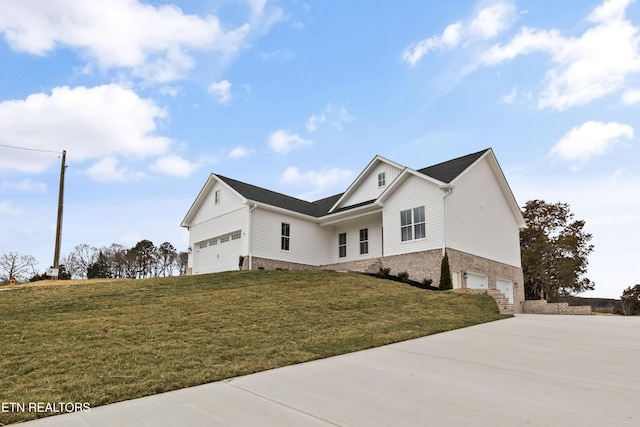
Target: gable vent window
381,180
342,245
364,241
217,197
412,224
285,236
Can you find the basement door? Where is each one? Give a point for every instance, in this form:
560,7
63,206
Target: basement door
476,281
506,287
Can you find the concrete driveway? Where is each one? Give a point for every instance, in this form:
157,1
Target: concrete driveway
532,370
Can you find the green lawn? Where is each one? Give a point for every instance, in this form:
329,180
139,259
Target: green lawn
106,341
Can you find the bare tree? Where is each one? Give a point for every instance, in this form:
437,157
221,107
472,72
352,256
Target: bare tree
166,257
85,255
182,262
17,266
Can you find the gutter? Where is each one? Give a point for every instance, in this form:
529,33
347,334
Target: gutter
249,237
447,190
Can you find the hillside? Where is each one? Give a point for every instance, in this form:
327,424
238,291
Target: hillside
104,341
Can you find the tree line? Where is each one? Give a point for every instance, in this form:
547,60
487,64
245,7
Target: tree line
117,261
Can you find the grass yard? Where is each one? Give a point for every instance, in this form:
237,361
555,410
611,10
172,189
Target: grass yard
105,341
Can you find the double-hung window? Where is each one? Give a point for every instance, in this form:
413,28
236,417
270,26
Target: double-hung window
285,235
364,241
412,224
381,179
342,245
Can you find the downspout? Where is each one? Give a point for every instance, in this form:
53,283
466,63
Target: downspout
249,237
447,190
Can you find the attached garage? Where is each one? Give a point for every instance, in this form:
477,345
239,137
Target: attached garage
506,287
477,281
218,254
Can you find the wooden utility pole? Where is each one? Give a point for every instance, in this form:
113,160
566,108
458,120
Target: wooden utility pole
56,255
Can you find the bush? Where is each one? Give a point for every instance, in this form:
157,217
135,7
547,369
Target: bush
384,271
404,276
427,282
445,274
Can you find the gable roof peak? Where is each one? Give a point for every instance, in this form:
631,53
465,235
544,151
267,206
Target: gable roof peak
451,169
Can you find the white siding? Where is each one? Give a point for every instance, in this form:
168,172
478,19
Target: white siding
480,221
412,193
220,226
368,188
373,224
229,202
308,244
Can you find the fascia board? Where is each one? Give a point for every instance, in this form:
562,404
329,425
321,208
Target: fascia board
350,214
186,222
365,172
401,177
277,209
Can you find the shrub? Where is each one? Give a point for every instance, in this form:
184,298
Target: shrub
445,274
427,282
404,276
384,271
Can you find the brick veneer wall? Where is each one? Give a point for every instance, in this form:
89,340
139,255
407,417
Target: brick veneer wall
419,265
543,307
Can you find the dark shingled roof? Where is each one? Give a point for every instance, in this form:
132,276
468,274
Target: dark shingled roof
449,170
251,192
445,172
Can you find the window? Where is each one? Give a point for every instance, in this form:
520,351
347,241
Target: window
224,239
217,196
364,241
213,242
236,236
342,245
405,225
203,245
419,231
412,224
285,236
381,179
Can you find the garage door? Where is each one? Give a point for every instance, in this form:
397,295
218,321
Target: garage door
506,287
219,254
476,281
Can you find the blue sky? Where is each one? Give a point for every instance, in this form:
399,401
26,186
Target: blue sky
149,98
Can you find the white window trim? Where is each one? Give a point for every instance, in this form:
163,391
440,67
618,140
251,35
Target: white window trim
382,179
217,197
412,224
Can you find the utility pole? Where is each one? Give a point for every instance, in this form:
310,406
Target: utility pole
56,255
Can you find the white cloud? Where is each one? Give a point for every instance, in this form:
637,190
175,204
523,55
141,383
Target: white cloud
334,115
240,151
171,91
314,121
25,186
631,96
510,98
90,123
283,141
591,139
7,208
174,165
316,182
487,23
587,67
108,170
155,43
221,90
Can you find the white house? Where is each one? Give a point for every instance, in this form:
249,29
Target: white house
391,216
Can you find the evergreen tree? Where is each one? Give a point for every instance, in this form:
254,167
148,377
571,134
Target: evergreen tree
445,274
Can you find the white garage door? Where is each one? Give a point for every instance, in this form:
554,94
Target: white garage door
506,287
220,254
476,281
